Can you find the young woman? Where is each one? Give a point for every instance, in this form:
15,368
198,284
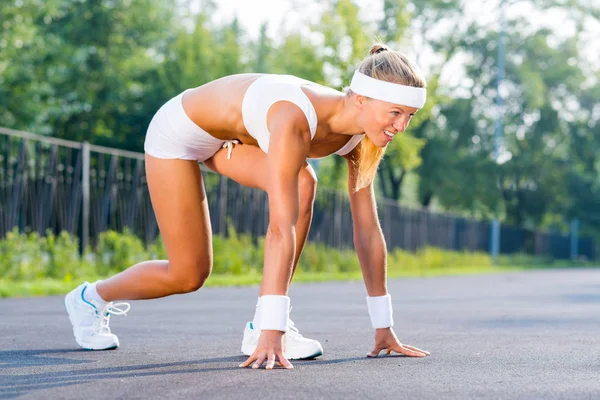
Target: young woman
289,119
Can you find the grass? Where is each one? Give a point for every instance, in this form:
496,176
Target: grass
52,287
35,265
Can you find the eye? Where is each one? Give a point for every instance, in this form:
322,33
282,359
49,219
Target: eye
396,113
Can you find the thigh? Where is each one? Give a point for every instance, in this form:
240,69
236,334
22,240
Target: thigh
180,205
247,166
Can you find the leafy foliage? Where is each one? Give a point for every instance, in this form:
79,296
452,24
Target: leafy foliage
98,70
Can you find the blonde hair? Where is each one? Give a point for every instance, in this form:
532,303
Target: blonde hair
390,66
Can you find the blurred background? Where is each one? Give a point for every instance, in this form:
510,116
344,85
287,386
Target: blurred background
502,160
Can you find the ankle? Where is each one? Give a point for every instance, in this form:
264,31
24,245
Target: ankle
90,294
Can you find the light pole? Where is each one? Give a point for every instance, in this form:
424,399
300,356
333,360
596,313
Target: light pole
495,227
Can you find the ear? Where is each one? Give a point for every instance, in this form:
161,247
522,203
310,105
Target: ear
360,100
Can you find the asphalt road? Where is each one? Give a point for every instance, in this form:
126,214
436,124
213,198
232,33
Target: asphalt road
533,335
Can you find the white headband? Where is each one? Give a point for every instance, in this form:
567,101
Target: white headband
388,91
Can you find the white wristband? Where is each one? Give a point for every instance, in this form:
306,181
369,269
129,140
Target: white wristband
380,311
274,312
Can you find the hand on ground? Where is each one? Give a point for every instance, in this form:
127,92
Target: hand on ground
269,349
386,339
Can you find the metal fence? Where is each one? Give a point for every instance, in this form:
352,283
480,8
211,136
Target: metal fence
48,183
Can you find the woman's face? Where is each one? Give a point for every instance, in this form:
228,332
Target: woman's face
381,120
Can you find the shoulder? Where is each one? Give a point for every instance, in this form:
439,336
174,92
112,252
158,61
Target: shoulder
286,113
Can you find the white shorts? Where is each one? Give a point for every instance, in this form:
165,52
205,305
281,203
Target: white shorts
172,134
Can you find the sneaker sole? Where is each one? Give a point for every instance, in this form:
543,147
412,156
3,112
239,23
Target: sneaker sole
102,349
312,356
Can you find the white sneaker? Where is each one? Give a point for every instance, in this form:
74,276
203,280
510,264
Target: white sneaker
297,347
90,320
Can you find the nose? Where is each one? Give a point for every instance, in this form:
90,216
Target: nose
400,124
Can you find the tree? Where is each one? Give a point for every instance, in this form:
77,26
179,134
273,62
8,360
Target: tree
297,56
263,49
405,26
85,65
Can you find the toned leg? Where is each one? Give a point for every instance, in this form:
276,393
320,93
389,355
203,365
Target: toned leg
237,169
297,346
181,209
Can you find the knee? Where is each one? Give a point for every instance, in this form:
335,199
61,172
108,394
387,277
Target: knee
190,282
307,186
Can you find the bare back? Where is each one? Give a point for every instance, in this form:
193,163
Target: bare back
217,107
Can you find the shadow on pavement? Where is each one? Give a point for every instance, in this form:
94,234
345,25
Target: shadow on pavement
17,385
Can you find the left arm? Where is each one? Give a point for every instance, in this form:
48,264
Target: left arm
372,256
368,237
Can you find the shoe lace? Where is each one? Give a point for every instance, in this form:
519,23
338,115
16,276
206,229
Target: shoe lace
103,317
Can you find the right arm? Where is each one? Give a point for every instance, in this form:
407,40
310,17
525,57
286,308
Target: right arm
288,148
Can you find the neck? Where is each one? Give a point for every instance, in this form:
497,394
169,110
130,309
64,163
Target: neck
344,118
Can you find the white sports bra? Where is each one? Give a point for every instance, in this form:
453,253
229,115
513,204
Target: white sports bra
268,90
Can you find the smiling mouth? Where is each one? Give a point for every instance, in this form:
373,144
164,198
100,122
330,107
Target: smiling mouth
389,134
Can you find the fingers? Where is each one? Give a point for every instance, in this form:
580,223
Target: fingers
375,352
269,350
259,361
270,361
249,361
416,349
398,348
407,351
284,362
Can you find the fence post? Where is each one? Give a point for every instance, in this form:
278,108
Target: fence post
574,235
495,240
337,221
85,188
223,206
387,225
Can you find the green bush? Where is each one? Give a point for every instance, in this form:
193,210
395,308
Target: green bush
433,260
29,257
63,257
157,250
117,251
316,257
524,260
22,256
236,254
